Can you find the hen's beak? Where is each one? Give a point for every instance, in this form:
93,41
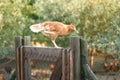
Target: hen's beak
76,31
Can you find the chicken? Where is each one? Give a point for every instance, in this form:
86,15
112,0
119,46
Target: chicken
53,29
106,66
111,66
52,67
7,68
8,71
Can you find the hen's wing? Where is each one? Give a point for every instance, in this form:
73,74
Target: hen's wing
53,27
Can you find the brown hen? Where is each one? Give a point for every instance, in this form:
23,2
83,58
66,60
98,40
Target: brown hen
53,29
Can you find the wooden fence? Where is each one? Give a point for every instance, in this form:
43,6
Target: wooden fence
70,63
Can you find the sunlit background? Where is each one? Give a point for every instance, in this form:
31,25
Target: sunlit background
98,22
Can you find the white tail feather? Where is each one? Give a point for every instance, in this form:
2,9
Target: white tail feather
36,28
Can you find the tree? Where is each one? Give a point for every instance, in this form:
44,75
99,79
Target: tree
98,21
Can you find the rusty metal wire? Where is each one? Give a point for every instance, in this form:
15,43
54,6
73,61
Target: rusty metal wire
41,70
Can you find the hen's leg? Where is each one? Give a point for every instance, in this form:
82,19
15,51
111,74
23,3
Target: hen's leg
53,41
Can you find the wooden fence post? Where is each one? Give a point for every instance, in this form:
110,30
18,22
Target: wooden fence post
75,47
27,41
84,58
81,69
18,43
27,61
86,72
25,67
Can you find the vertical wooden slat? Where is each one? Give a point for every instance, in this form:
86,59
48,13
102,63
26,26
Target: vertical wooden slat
18,43
71,65
87,73
84,50
22,64
75,47
84,58
18,64
27,41
68,65
63,65
27,65
25,62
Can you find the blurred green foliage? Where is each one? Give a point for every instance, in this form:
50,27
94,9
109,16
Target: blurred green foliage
98,21
6,51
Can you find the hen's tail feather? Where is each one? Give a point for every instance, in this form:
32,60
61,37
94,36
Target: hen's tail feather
36,28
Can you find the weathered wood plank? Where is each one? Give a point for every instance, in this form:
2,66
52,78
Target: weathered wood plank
71,65
63,65
18,64
89,73
68,64
57,73
84,58
75,47
47,54
18,43
27,60
85,69
27,41
84,51
23,71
